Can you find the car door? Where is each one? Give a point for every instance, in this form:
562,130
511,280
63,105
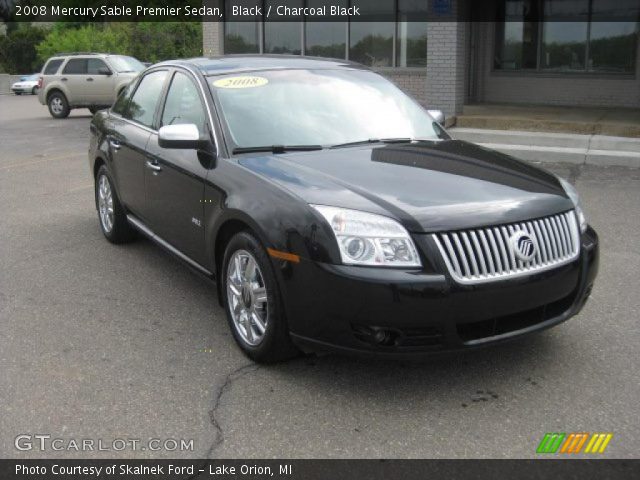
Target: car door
175,182
73,78
99,85
132,120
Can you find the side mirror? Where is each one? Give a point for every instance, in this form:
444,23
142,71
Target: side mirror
184,136
104,71
437,115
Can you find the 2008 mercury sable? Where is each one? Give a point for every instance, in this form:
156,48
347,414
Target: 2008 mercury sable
334,212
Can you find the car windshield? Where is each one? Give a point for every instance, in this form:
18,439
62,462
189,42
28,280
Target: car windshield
318,107
31,78
125,64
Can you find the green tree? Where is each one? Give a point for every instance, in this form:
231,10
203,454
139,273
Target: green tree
157,41
88,38
18,49
147,41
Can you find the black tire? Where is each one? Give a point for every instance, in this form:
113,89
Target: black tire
276,344
94,110
18,93
120,231
58,105
34,91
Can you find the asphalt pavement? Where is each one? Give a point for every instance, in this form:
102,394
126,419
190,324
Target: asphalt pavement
108,342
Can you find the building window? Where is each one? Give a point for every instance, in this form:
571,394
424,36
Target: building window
326,39
402,43
372,43
554,45
242,37
411,43
283,37
612,45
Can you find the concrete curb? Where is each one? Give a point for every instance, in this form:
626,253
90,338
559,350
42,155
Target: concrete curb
577,149
549,125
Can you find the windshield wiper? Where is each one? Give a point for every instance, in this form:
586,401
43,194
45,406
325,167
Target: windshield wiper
376,140
278,148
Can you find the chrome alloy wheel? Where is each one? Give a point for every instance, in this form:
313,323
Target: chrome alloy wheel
56,105
105,203
247,297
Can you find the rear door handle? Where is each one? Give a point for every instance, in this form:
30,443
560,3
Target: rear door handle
89,79
153,166
115,144
64,79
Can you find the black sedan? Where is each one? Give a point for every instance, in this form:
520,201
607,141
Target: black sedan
334,212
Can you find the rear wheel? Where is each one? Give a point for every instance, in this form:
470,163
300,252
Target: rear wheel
18,93
93,110
58,105
252,301
112,217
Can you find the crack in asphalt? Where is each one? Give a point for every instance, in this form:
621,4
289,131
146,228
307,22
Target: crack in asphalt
226,385
228,382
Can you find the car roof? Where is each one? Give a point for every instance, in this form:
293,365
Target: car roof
242,63
62,56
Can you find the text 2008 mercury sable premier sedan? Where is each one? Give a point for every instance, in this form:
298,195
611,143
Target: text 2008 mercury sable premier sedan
334,212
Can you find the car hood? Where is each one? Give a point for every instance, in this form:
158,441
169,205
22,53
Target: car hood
428,186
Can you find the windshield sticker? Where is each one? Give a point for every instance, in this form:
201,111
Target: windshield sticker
240,82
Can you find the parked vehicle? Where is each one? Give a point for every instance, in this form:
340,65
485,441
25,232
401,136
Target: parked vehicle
84,80
334,212
27,84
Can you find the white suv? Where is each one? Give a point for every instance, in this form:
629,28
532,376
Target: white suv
84,80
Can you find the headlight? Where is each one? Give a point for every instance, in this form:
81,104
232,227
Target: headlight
575,198
369,239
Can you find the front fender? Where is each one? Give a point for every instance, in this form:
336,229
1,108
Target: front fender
280,219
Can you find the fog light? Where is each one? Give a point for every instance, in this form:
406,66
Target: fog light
385,337
380,336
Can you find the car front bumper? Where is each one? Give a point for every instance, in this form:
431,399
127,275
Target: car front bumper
384,311
22,89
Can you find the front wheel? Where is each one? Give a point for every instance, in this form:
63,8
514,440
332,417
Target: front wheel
34,91
252,302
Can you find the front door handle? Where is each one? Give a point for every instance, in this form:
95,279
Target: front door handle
153,166
89,79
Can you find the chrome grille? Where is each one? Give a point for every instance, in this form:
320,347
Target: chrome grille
486,254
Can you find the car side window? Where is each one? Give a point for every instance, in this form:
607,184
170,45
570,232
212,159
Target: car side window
75,66
183,104
144,101
52,67
94,65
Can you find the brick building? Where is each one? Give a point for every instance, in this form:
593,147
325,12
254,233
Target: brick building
450,63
